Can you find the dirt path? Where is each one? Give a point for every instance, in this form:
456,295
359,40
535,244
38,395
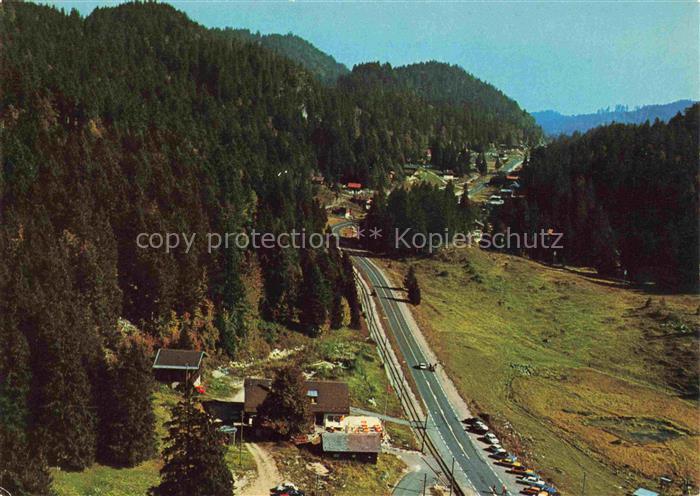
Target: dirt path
268,475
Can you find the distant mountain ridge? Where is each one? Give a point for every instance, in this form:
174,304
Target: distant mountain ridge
293,47
553,123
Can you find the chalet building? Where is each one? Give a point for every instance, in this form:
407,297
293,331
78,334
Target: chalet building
177,366
356,446
329,401
354,187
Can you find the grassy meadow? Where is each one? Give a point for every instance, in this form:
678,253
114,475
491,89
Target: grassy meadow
575,373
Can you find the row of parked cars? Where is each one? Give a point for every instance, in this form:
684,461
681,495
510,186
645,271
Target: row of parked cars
534,484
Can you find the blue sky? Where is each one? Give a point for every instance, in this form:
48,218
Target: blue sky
573,57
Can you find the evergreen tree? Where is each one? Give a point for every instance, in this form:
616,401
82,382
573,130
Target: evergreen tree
194,455
410,282
285,410
337,310
481,164
185,341
127,420
351,291
23,468
314,297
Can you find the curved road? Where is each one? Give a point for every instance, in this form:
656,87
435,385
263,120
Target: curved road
474,474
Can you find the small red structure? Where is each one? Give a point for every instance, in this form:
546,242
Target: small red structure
354,186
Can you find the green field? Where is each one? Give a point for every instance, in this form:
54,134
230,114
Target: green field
577,375
100,480
425,176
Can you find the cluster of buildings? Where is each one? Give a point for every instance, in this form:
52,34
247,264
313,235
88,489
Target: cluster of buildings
335,432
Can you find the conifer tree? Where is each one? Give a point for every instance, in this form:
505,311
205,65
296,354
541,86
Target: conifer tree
127,420
337,309
314,297
285,410
194,455
185,341
410,282
351,291
23,469
481,164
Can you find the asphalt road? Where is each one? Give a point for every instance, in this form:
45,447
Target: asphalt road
445,428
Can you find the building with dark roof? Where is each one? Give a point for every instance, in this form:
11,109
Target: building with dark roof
176,366
328,400
362,446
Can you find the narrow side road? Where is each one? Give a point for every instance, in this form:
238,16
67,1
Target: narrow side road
268,475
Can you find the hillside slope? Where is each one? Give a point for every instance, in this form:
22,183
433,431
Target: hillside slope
295,48
575,373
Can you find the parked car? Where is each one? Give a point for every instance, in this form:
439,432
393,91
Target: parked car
286,489
533,480
480,427
491,438
500,453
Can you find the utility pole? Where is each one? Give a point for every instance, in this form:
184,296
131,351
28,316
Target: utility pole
386,397
452,475
240,444
425,433
583,488
425,482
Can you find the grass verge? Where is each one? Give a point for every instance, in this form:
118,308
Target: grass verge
582,376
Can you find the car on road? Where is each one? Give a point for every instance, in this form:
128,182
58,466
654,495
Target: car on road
425,366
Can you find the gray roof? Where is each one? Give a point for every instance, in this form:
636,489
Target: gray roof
341,442
178,359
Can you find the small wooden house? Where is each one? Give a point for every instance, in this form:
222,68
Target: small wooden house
177,366
364,447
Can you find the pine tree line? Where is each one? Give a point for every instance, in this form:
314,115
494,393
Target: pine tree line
625,198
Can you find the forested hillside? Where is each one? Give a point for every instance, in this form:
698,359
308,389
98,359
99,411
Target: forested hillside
625,197
553,123
400,112
322,65
452,87
136,120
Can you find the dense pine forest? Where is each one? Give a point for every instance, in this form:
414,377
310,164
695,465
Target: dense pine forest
322,65
624,196
137,120
417,220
